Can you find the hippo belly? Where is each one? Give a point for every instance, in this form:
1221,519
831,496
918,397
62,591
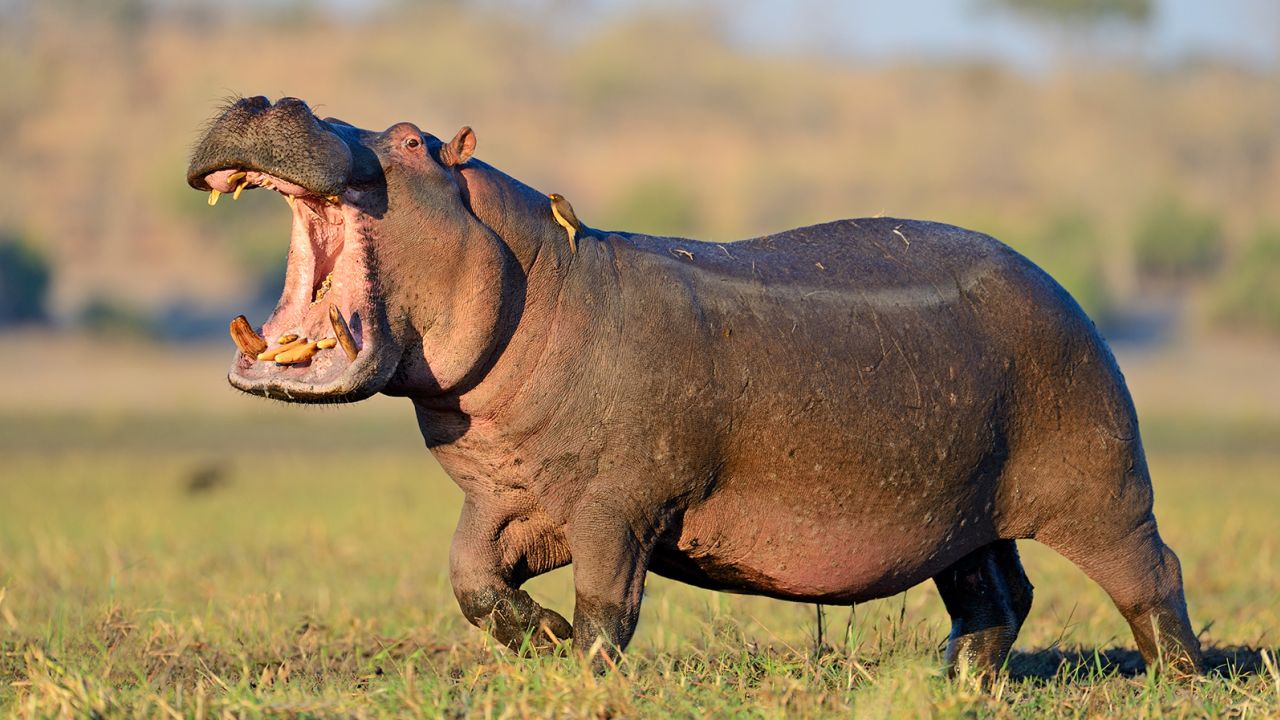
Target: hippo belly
818,549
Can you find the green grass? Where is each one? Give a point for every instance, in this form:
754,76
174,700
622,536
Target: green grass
294,563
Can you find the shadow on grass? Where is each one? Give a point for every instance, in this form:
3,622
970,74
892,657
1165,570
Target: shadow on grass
1219,661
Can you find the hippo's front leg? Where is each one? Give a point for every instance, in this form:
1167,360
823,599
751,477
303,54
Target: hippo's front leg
494,551
611,548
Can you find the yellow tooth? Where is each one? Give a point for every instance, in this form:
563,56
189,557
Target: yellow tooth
286,338
324,288
245,338
333,199
275,352
343,333
235,176
327,343
239,188
289,199
213,197
297,355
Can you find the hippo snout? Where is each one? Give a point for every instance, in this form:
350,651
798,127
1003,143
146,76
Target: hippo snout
285,140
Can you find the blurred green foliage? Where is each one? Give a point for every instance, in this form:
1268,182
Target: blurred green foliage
254,229
1175,241
110,317
1247,296
25,273
657,205
1069,248
1078,12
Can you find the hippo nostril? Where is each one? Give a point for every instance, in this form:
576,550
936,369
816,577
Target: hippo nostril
257,102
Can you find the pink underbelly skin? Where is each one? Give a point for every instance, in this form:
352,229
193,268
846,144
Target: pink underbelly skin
810,553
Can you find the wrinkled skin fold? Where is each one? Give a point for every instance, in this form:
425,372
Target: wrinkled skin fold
830,414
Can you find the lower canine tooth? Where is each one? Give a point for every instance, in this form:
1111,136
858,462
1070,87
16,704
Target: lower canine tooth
245,338
297,355
213,197
274,353
342,333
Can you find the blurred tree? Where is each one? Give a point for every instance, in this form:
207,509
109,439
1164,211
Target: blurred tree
1176,242
1068,248
1074,27
130,17
1247,295
1077,12
24,281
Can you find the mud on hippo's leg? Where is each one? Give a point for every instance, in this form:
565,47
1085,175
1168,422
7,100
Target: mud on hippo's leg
514,618
486,584
988,596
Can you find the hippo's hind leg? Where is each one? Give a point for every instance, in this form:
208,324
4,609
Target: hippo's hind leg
1144,579
988,596
1098,514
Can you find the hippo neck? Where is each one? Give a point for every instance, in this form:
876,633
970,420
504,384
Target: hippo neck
517,213
566,310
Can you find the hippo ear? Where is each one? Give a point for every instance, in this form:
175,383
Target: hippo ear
459,149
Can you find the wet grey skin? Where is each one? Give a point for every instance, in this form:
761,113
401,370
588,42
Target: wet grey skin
830,414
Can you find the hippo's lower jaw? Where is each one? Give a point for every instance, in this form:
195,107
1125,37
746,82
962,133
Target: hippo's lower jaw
340,349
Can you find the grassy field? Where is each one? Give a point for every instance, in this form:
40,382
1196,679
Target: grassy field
187,551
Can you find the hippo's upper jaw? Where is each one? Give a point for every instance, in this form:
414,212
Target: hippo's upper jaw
332,183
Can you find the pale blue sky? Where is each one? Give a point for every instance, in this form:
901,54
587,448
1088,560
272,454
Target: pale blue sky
1244,31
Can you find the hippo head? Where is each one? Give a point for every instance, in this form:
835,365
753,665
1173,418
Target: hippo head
392,284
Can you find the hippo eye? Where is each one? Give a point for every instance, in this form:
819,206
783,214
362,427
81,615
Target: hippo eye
412,142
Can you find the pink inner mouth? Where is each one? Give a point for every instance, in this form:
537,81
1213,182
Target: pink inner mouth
326,267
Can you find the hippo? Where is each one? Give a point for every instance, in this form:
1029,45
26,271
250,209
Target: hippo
830,414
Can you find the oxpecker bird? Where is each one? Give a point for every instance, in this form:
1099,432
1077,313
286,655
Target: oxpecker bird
563,213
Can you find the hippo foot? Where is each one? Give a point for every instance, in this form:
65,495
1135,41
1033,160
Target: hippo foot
988,596
516,620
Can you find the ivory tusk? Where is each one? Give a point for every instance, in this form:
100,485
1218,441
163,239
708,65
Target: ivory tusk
342,333
246,338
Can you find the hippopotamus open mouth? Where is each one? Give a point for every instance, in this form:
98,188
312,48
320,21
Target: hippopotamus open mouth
328,338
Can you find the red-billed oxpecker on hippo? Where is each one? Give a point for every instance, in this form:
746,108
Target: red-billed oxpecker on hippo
829,414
